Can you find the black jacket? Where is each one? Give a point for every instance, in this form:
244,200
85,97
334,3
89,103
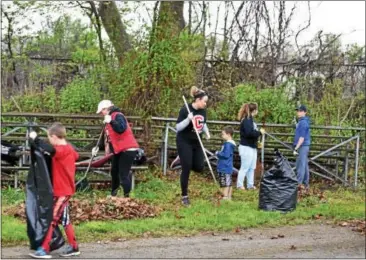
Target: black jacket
119,124
248,133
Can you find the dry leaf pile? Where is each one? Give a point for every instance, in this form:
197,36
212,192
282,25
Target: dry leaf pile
101,209
302,193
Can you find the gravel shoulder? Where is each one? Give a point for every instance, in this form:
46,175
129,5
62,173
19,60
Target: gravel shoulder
305,241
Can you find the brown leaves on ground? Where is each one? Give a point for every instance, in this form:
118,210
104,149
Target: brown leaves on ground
237,230
278,236
303,192
17,211
110,208
357,225
317,216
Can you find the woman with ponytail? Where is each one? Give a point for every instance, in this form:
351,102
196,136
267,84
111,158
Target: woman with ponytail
249,135
189,149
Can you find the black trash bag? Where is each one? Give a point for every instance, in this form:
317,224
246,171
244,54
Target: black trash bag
278,187
39,202
10,153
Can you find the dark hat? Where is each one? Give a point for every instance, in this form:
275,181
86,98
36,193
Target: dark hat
301,108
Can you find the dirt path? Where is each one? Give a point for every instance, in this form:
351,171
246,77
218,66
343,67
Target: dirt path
308,241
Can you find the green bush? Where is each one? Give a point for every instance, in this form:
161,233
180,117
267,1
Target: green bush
46,101
152,79
274,105
80,96
50,100
31,102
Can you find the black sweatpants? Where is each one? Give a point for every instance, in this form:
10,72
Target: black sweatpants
191,158
121,171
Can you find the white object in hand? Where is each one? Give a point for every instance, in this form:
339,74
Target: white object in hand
208,136
190,116
95,151
296,153
32,135
107,119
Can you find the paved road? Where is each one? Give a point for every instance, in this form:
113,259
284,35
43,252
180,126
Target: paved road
307,241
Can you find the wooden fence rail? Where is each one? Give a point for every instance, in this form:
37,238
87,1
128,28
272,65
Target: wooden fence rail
156,135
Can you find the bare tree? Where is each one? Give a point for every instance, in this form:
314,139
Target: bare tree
92,12
8,40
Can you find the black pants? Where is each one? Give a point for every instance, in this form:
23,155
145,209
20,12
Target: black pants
121,171
191,158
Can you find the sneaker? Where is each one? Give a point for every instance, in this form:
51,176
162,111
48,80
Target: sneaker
175,164
185,201
252,188
70,251
114,193
40,254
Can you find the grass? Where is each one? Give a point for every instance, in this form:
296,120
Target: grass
205,214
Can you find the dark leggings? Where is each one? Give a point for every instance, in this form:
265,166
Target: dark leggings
191,158
121,168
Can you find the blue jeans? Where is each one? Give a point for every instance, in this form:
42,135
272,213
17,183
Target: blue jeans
248,158
302,165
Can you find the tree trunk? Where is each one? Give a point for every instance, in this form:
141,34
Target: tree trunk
115,29
170,21
190,17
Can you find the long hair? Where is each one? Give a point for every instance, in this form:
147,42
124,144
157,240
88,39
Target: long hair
246,110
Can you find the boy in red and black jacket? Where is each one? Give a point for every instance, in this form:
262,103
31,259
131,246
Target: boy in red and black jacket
63,182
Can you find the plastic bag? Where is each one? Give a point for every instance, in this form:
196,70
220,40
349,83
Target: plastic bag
278,187
39,203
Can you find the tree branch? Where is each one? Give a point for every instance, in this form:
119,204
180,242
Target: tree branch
303,29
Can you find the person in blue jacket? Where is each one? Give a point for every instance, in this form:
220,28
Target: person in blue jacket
225,162
302,146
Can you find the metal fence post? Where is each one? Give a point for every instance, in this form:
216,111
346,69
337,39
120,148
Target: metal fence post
346,164
262,152
27,144
166,139
356,159
162,150
16,172
132,180
337,164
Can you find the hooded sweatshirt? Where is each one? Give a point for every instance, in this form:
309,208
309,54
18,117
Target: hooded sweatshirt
226,155
303,130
